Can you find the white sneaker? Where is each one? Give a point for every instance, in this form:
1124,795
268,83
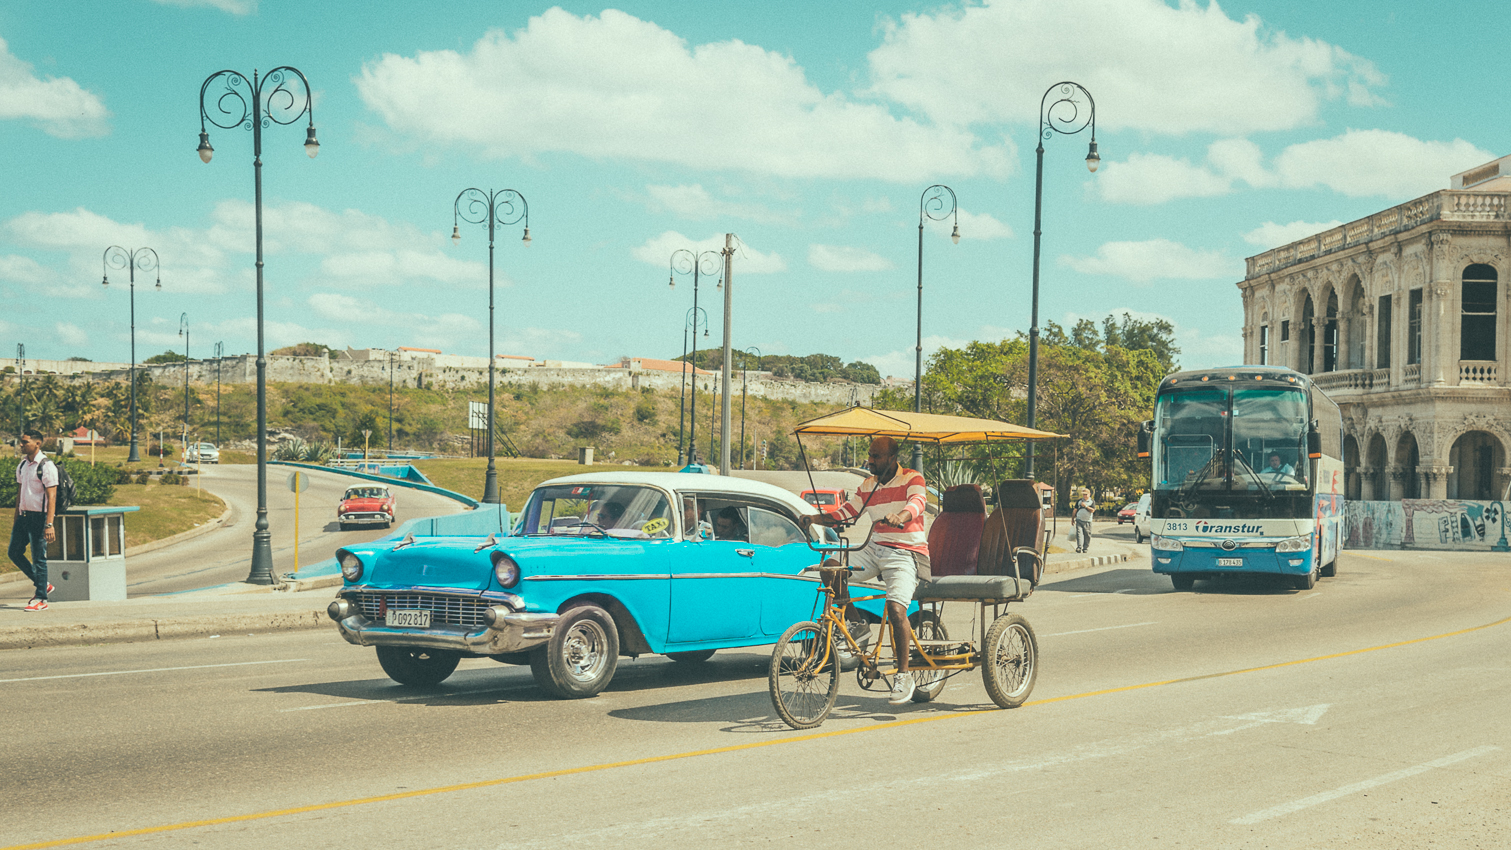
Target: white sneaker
902,689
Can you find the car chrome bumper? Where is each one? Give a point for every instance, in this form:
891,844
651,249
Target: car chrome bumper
364,519
510,632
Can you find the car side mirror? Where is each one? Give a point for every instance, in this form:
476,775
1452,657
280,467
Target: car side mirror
1145,431
1313,441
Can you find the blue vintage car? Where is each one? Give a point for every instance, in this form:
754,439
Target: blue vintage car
596,566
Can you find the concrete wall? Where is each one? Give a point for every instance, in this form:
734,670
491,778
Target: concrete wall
1427,524
61,367
242,369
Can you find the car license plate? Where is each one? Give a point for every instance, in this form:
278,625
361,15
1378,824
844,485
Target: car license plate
1221,562
409,619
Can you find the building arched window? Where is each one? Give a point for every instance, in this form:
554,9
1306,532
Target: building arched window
1477,324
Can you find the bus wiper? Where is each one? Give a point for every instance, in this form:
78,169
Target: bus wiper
1259,482
1209,470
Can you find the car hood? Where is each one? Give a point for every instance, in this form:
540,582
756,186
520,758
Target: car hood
450,562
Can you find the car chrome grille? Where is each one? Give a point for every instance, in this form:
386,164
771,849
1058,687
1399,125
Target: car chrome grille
448,610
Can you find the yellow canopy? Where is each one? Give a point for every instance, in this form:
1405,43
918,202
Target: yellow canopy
922,427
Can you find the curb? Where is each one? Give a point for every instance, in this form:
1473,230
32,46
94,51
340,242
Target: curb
316,583
1077,564
133,631
180,537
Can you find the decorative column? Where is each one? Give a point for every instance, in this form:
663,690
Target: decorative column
1435,314
1435,481
1397,483
1367,483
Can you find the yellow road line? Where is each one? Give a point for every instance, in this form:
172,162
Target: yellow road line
594,768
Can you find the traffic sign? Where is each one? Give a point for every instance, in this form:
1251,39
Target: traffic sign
298,482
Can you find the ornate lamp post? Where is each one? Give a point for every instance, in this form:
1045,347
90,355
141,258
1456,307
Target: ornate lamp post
699,263
219,356
492,210
146,260
390,402
744,364
690,319
254,105
1062,115
930,206
183,331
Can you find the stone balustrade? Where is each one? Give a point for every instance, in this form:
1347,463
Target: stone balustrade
1480,372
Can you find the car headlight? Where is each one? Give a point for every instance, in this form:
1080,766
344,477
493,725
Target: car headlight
1165,544
504,569
1295,544
351,565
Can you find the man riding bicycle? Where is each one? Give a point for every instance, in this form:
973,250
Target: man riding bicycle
894,498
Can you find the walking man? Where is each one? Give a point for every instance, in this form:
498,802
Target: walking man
894,498
1084,510
37,477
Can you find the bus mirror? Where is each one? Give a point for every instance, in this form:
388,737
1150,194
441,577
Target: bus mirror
1313,441
1144,431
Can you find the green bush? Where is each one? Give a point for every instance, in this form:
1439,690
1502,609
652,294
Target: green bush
142,478
93,485
171,478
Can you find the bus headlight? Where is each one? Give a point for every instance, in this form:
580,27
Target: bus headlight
1295,544
1165,544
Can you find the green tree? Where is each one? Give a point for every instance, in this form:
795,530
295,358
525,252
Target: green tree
166,357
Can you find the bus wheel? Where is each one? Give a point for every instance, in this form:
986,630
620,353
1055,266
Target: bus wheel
1182,581
1306,582
1330,570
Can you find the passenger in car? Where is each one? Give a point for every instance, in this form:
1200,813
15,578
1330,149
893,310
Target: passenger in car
729,526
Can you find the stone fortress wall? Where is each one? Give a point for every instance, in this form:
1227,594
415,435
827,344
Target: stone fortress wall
424,372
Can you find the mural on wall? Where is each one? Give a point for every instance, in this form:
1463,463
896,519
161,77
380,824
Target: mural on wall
1426,524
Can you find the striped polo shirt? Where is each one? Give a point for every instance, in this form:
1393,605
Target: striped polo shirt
905,490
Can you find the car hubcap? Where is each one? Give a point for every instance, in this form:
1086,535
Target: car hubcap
583,651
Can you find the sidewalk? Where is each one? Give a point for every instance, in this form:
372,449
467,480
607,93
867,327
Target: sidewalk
232,609
1103,551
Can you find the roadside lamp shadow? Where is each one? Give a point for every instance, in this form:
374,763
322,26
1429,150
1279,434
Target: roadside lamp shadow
1124,581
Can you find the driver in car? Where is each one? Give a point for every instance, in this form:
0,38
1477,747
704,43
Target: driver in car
898,551
1277,473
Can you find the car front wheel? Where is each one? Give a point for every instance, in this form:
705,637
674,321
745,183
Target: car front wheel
580,658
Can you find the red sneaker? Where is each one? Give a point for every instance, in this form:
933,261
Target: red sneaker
36,605
49,587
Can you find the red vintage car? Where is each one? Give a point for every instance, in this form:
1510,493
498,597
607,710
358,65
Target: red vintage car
1126,514
366,504
827,501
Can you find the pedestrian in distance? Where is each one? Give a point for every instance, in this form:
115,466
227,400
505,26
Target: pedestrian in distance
1084,509
36,499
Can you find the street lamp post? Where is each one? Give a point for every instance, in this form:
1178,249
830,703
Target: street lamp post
744,365
684,261
492,210
930,206
366,432
254,104
146,260
691,318
390,402
183,331
219,355
1062,115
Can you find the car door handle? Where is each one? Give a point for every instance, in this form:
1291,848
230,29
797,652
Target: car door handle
749,553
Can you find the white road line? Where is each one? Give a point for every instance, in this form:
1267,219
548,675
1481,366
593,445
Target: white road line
1310,595
1316,799
155,670
1102,629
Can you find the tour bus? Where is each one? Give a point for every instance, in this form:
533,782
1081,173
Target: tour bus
1247,476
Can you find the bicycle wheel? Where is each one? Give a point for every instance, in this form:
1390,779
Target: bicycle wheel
928,682
804,677
1009,661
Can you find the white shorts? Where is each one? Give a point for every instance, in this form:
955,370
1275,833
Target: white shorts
896,567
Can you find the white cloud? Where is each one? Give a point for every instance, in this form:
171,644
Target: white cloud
616,87
230,7
1151,66
982,226
25,271
1362,163
1271,235
58,105
72,334
1155,259
1156,178
838,258
695,202
658,252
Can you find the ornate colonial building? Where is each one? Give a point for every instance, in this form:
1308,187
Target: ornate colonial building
1398,317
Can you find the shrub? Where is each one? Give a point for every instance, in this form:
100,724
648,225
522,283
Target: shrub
645,411
142,478
93,485
171,478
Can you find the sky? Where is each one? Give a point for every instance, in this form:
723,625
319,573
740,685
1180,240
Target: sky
810,131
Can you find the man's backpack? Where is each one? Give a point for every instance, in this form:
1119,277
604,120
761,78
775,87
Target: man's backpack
66,489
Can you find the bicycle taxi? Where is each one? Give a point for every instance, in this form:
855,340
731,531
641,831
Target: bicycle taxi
984,560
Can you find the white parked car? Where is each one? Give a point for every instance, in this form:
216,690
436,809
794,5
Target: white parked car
202,453
1141,519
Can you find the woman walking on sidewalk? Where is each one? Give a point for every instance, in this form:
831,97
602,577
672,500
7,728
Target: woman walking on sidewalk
1084,510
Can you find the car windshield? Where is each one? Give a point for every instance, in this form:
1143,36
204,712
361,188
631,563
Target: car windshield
819,498
366,493
610,510
1267,427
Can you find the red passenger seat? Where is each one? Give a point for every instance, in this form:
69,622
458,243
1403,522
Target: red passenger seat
955,537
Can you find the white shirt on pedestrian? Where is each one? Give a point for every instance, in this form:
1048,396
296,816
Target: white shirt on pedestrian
33,488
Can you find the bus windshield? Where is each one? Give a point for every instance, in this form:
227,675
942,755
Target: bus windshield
1231,439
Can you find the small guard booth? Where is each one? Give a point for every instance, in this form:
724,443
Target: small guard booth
88,558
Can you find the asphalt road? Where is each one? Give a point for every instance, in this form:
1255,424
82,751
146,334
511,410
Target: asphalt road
1370,712
224,555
